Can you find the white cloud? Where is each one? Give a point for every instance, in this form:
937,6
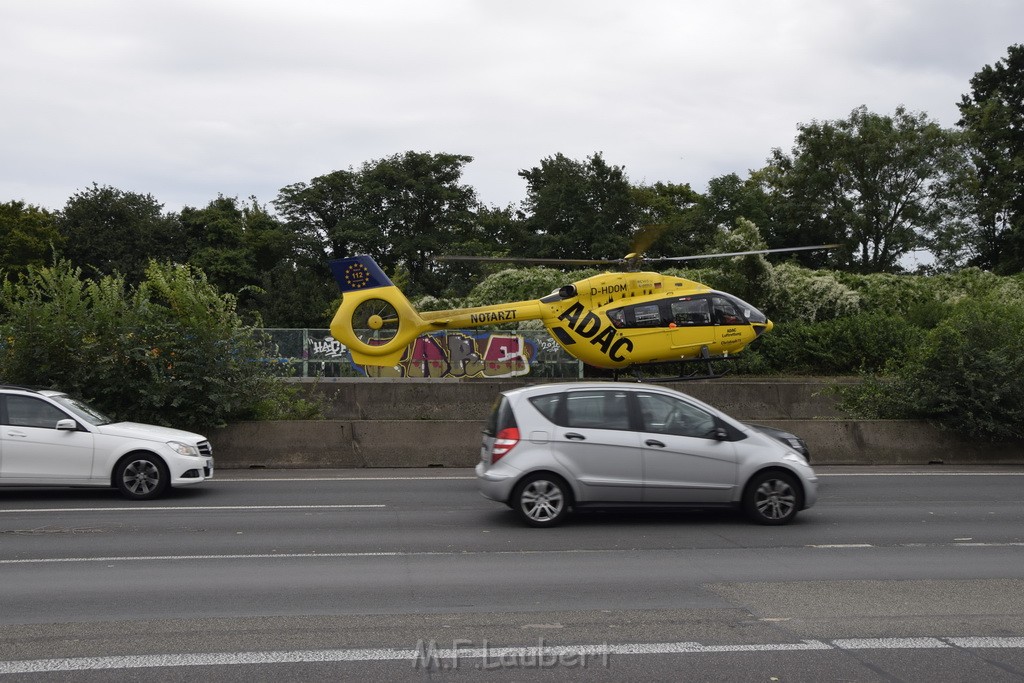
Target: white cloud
189,99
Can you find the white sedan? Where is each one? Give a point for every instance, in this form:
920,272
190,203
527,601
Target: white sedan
48,438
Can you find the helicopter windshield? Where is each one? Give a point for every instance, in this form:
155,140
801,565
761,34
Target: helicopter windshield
727,306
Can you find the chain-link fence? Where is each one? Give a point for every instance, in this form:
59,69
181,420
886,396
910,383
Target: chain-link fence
313,352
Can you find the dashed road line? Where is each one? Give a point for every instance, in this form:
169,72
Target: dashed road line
250,480
165,508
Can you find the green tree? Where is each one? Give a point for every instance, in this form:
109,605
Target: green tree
421,208
401,210
579,209
237,246
669,225
992,114
108,231
876,183
325,216
28,236
215,242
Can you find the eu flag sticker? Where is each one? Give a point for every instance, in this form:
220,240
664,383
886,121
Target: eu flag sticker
358,272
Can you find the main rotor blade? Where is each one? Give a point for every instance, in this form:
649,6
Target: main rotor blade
744,253
533,261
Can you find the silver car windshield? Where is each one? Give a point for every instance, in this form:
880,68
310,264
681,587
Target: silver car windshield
82,410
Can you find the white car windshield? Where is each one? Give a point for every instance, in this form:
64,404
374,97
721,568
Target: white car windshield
82,410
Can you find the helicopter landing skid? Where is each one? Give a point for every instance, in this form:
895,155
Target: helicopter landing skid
708,372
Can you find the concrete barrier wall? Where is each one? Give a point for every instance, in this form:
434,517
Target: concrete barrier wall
412,399
456,443
436,423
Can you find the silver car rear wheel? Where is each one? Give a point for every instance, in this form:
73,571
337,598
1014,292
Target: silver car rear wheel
541,500
772,498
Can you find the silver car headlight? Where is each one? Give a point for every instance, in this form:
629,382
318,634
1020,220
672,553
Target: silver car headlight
183,448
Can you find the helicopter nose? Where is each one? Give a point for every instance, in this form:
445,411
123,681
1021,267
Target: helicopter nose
765,327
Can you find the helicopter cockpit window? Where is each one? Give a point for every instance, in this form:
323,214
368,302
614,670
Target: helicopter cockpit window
746,312
726,312
691,311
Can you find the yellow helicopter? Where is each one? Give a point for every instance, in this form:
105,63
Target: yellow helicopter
615,321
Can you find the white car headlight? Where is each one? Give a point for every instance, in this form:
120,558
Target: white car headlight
183,448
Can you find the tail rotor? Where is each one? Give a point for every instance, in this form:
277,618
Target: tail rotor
370,301
380,317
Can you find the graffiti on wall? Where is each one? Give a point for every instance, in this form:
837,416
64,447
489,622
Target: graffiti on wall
448,354
329,348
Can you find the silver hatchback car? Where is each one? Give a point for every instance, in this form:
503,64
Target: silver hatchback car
549,449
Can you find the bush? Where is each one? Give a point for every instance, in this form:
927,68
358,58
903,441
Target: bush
865,342
522,284
965,375
796,294
171,351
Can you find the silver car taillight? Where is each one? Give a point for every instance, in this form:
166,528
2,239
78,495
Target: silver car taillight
504,441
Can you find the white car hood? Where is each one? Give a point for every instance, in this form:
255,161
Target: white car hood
138,430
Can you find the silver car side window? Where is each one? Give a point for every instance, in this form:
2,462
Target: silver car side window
547,405
668,415
597,409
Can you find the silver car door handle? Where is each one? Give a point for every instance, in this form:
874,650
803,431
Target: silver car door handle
654,443
575,436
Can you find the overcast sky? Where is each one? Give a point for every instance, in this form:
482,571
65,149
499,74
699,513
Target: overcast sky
188,99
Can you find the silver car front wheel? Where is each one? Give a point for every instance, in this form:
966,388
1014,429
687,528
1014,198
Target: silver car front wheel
541,500
772,498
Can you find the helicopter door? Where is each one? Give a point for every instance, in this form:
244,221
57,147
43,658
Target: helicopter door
691,324
731,327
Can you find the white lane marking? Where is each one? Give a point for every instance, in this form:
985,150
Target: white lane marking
165,508
841,546
448,553
920,474
280,479
889,643
974,642
300,556
222,479
428,654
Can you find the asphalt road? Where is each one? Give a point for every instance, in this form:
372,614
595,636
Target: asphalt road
896,575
